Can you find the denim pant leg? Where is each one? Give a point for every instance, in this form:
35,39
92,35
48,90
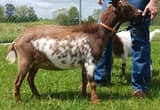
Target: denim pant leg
141,55
102,71
103,68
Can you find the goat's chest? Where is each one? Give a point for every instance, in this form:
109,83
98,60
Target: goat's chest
65,53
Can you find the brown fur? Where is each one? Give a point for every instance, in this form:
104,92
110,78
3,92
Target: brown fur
30,59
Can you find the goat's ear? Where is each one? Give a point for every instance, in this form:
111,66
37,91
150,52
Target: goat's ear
115,2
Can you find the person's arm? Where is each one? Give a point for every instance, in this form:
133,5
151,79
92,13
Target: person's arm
152,7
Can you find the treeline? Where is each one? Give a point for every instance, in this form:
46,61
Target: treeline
10,13
71,16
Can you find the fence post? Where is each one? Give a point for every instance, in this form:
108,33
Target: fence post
80,11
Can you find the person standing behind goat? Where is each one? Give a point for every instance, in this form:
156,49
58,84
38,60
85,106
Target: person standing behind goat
140,50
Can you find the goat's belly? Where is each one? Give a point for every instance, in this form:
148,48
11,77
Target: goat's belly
64,54
65,62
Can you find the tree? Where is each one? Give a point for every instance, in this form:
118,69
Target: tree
9,11
59,12
73,15
91,19
24,14
32,15
68,17
1,13
62,19
96,14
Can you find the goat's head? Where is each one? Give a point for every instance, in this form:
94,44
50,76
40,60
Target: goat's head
120,11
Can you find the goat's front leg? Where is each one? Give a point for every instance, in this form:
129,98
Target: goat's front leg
90,70
123,67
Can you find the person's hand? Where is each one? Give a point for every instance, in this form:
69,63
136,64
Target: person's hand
152,8
100,2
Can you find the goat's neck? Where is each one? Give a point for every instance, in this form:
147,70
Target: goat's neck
104,33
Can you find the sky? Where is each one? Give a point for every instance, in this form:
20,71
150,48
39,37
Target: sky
45,8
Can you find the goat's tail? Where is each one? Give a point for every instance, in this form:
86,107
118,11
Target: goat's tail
11,56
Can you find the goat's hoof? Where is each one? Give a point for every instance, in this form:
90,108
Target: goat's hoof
37,96
84,95
95,101
18,99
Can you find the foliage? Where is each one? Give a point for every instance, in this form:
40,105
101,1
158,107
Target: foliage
156,21
63,19
90,19
96,14
73,15
24,14
1,14
9,31
68,17
19,14
9,12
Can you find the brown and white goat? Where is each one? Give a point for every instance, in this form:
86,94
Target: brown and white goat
122,46
61,47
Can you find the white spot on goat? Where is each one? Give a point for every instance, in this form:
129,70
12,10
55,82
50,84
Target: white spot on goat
66,53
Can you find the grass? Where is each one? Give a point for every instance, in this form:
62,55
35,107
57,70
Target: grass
60,89
9,31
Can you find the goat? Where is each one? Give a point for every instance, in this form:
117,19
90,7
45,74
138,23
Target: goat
62,47
122,45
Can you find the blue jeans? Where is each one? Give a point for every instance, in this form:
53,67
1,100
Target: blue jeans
102,72
140,53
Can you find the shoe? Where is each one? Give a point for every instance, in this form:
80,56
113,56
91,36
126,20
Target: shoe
139,94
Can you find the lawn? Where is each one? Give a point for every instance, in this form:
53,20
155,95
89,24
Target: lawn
9,31
60,90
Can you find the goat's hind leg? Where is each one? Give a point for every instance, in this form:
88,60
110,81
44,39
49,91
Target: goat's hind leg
23,70
30,78
84,81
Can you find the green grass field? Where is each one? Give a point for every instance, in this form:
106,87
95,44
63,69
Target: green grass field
60,89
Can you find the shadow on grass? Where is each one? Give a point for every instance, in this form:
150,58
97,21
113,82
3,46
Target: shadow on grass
74,95
105,95
64,95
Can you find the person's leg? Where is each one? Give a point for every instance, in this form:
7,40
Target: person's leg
141,55
102,72
140,52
